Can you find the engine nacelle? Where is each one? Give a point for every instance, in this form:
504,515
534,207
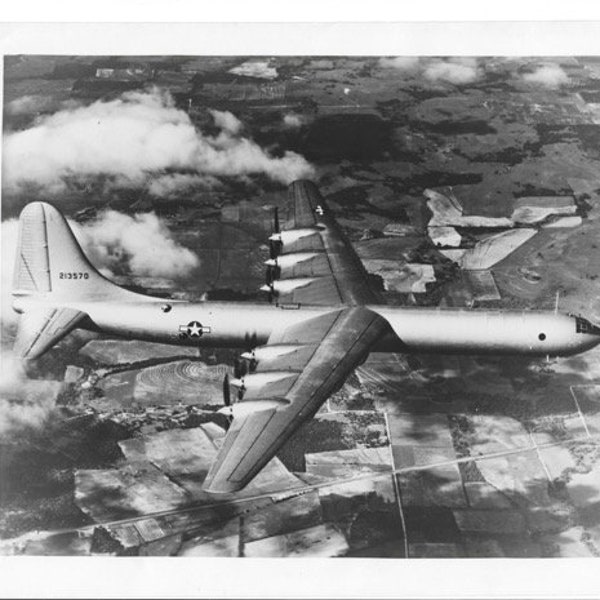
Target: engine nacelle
242,409
284,286
257,380
270,352
289,236
285,261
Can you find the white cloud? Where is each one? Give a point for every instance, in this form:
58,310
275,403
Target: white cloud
141,243
255,68
458,71
226,121
550,76
293,120
402,63
131,138
29,104
16,416
166,186
24,403
9,234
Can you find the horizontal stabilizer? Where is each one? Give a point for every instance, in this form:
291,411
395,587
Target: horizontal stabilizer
41,328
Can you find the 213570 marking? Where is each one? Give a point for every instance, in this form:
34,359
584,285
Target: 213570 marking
73,275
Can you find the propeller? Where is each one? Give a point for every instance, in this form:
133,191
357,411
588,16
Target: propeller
240,368
226,391
271,274
227,410
274,245
274,249
270,289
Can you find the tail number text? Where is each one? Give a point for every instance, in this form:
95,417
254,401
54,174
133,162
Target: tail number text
73,275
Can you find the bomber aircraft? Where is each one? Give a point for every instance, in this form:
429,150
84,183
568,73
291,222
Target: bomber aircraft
323,320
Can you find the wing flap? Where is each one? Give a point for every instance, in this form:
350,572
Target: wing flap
347,336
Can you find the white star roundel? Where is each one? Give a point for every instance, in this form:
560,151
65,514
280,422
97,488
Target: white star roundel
194,329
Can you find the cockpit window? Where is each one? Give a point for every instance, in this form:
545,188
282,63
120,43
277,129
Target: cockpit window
584,326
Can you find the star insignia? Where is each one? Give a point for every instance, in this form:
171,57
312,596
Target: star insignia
193,329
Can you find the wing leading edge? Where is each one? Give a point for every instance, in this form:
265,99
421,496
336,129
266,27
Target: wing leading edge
302,366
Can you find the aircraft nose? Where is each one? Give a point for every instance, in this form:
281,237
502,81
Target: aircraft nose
586,335
586,327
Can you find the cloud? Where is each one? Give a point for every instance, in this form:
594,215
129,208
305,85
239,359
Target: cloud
402,63
140,244
226,121
133,138
458,71
29,104
16,416
166,186
293,121
8,235
255,68
550,76
24,403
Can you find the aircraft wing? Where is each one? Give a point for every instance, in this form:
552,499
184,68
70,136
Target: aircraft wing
316,263
303,365
41,328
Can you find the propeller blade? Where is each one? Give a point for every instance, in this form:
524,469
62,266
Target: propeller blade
226,391
276,221
240,368
272,274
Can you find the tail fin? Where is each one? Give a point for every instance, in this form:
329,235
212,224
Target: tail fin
50,261
52,270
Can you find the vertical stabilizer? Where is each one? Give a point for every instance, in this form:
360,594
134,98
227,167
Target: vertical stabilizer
50,262
51,271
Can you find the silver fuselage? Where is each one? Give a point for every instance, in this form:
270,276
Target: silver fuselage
414,330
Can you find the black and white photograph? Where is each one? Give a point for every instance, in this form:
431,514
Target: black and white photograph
300,306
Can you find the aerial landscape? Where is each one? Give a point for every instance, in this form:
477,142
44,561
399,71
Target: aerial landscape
461,182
